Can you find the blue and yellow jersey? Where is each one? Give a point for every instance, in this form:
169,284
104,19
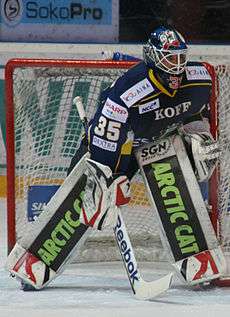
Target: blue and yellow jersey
138,104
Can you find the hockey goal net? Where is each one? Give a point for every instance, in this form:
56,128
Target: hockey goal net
44,131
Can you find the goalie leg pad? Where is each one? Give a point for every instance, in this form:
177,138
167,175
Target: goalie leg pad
185,227
27,267
202,267
41,255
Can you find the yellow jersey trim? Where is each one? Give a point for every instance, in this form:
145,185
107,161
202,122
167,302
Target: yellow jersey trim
165,91
159,85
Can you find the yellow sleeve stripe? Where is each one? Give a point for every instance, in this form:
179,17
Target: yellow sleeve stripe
126,149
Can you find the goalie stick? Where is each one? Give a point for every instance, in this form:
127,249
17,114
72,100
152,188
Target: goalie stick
141,288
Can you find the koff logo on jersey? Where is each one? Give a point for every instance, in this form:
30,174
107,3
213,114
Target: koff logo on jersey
171,112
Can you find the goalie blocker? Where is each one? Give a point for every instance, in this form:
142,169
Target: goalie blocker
185,227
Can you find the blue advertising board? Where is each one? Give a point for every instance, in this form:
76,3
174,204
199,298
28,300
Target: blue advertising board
38,197
61,20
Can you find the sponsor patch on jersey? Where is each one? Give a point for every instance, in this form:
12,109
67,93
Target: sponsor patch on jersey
105,145
114,111
197,72
171,112
137,92
149,106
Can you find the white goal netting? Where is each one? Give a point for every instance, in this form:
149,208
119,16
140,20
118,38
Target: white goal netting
223,182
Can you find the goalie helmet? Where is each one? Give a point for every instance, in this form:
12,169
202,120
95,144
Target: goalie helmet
166,49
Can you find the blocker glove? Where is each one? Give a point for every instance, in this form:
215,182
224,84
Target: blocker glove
103,195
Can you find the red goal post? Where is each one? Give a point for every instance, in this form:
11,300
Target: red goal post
36,89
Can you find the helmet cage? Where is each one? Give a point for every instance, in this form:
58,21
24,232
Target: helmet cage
170,61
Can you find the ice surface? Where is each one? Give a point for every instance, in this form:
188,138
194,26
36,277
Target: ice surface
102,290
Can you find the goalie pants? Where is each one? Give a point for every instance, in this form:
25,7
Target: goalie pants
127,164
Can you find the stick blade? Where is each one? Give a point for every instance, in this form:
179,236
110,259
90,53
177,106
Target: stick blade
149,290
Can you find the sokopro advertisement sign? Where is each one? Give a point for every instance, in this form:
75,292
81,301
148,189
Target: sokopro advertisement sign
60,20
